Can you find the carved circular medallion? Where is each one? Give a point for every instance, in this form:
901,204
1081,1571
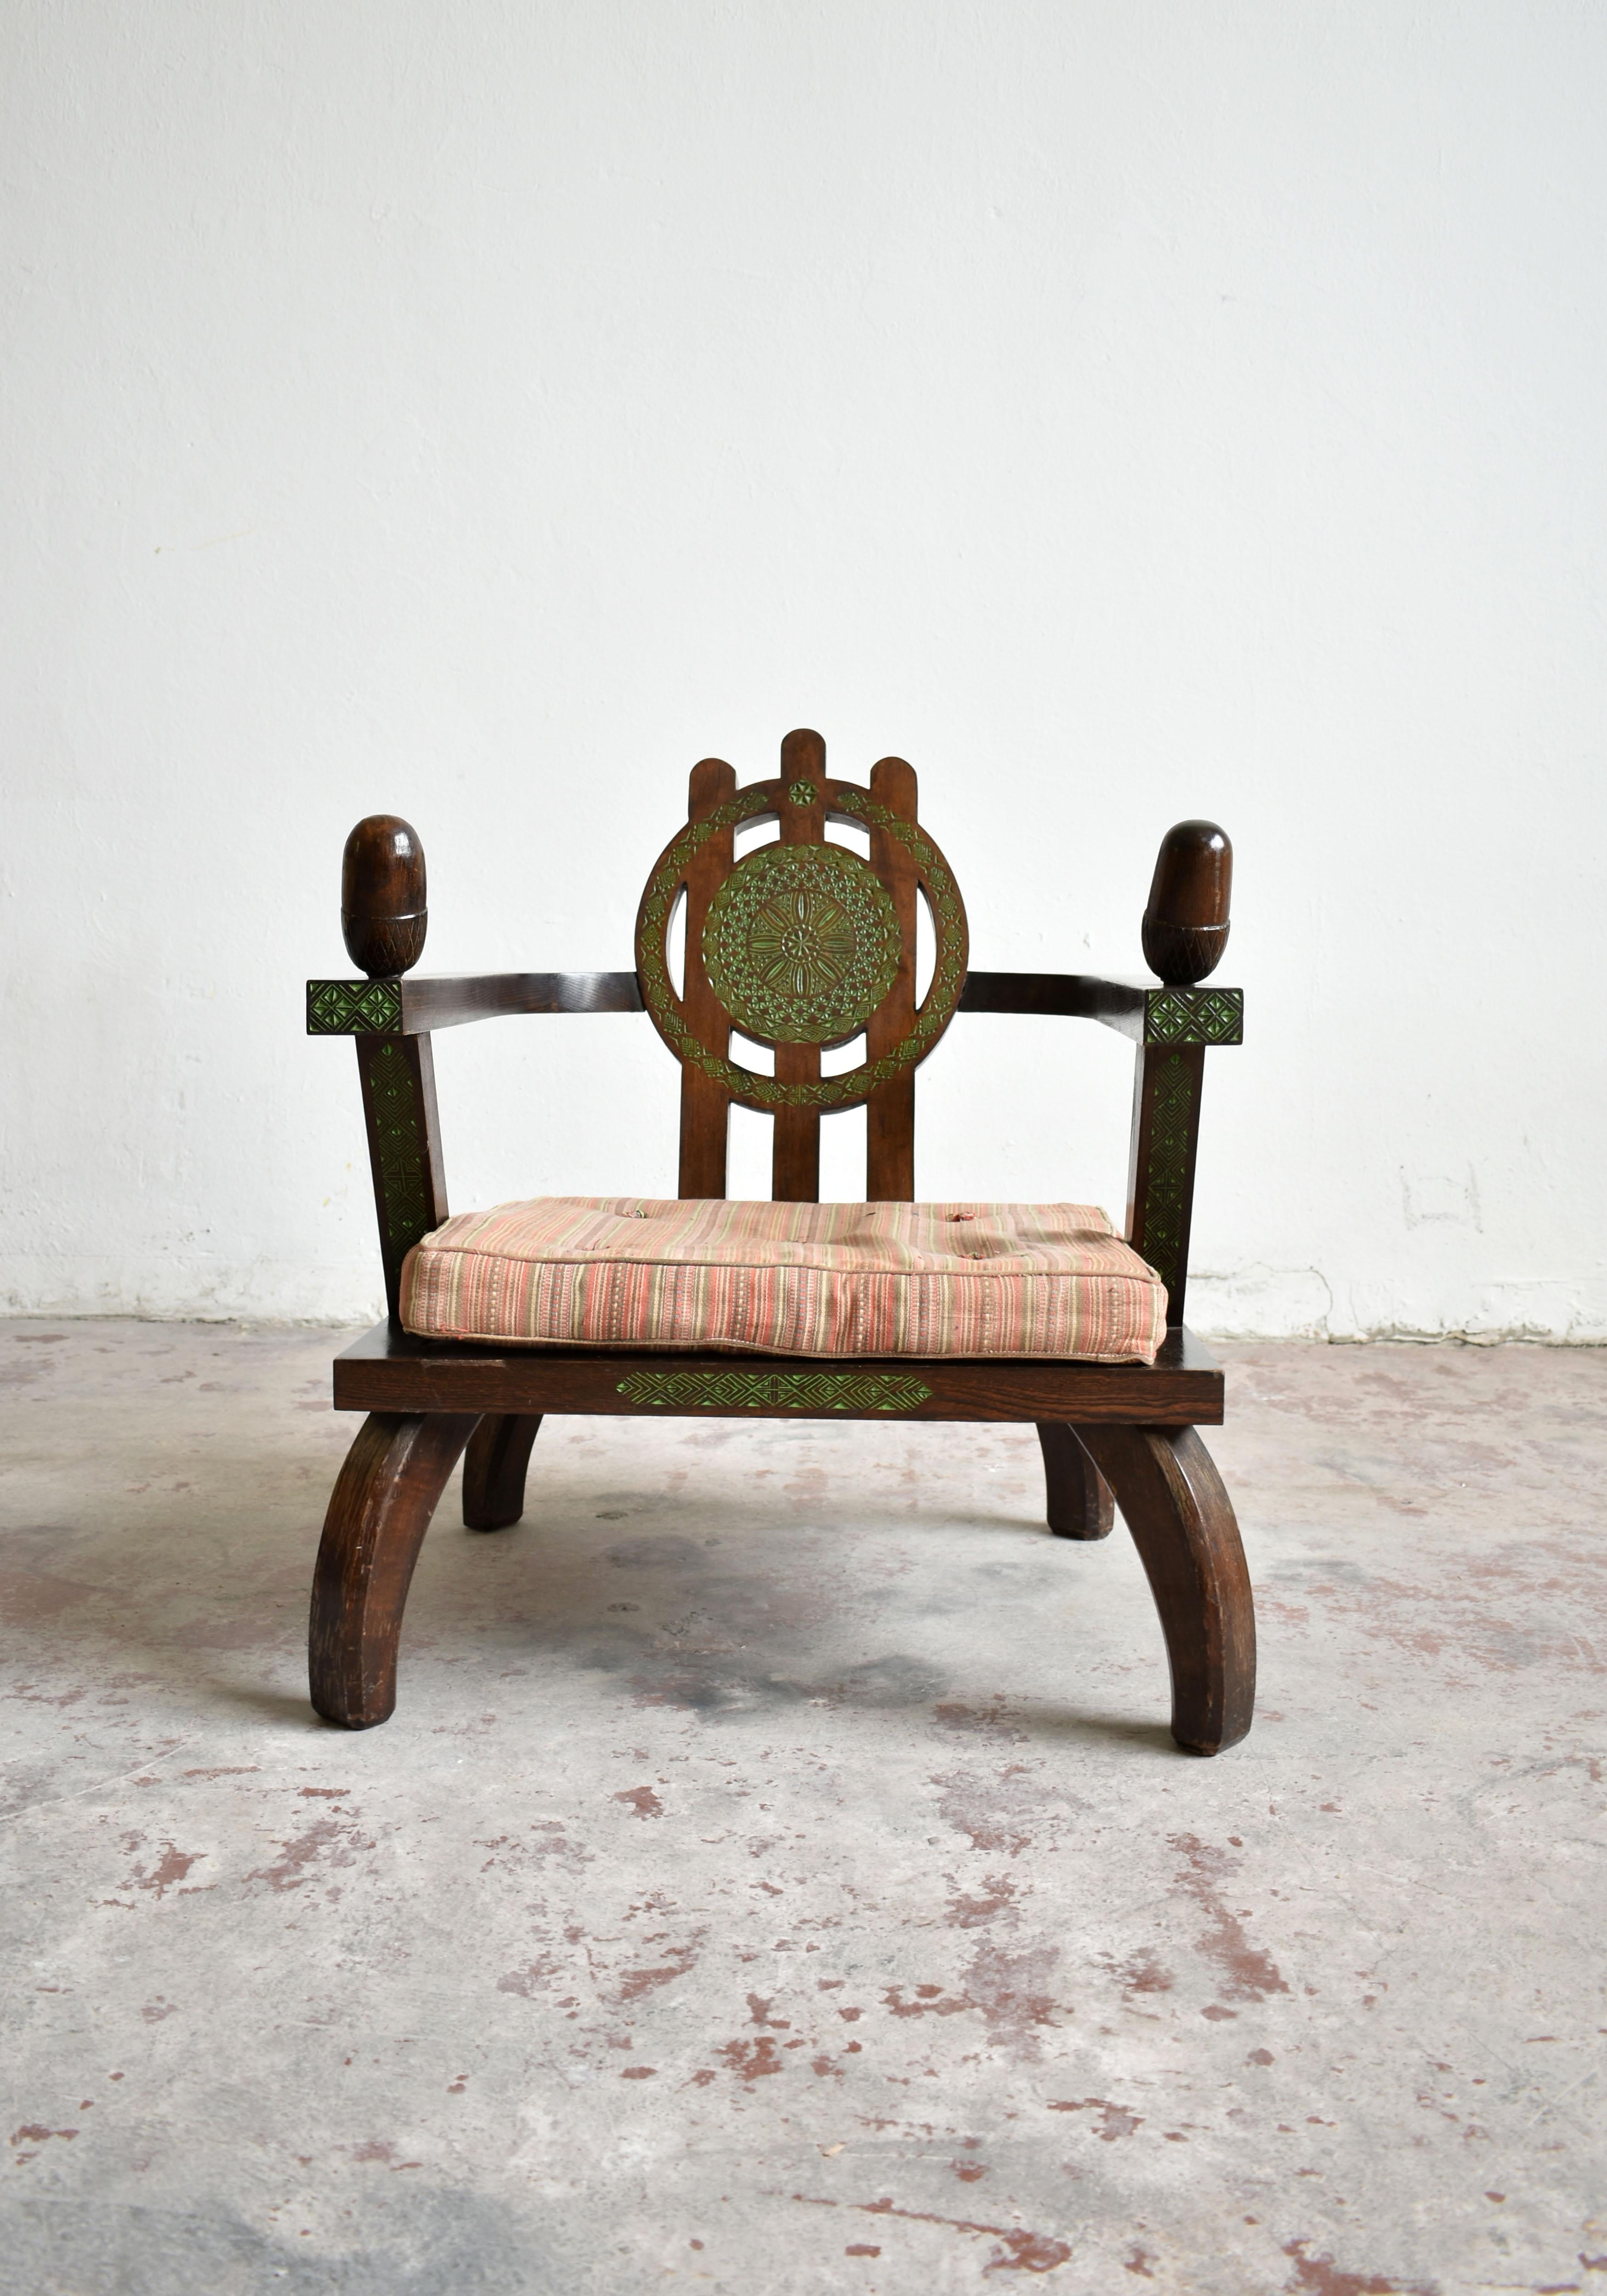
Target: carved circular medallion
801,943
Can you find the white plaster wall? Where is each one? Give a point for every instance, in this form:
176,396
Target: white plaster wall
1123,411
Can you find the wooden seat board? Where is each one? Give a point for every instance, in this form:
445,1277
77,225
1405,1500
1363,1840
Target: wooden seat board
389,1370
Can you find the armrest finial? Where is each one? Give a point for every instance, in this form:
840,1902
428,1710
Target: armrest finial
383,911
1185,925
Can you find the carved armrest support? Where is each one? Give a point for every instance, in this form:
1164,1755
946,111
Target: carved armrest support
413,1007
1171,1015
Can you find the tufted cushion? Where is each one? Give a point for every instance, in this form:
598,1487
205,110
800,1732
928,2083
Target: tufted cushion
832,1280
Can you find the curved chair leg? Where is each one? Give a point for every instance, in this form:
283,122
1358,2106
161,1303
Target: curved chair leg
494,1467
1182,1522
1079,1504
378,1511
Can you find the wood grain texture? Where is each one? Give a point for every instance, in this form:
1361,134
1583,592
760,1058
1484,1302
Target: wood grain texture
384,910
1185,925
377,1514
389,1370
795,1148
494,1469
449,1000
1079,995
1077,1499
1172,1502
889,1147
705,1105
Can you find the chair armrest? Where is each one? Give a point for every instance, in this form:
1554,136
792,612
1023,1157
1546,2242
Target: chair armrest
1148,1014
415,1006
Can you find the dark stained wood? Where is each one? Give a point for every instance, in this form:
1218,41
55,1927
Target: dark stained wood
494,1469
1078,1503
1167,1084
889,1146
1081,995
380,1511
384,912
448,1000
389,1370
1172,1502
404,1146
1185,925
1110,1434
705,1105
795,1150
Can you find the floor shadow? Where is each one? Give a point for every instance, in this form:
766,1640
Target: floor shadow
284,1706
1065,1727
612,1608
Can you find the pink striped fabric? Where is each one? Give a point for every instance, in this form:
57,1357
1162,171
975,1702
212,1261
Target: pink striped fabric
1049,1281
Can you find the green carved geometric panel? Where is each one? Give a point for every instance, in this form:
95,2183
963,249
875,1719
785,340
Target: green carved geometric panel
1194,1016
398,1141
801,943
768,1390
1172,1115
354,1008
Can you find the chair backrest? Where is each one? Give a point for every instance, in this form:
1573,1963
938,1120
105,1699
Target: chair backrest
803,946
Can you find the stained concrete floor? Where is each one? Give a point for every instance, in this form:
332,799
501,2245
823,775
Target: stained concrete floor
778,1877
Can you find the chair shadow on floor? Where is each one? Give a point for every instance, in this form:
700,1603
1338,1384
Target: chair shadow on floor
677,1597
680,1600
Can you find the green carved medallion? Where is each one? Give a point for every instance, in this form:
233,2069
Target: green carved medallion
801,943
769,1390
745,1084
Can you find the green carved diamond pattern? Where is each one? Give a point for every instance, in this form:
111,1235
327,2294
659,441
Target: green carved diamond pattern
1194,1016
802,792
353,1008
770,1390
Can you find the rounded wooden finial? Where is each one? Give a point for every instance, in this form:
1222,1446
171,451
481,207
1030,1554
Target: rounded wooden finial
383,911
1185,925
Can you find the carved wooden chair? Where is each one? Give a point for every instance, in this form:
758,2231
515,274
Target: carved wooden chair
800,945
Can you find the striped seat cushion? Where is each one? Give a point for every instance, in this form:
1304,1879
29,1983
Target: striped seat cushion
823,1280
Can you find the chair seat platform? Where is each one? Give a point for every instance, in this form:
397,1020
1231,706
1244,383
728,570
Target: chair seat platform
388,1369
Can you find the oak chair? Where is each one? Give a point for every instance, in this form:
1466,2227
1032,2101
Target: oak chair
1120,1434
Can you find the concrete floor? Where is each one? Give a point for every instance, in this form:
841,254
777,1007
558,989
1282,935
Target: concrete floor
778,1877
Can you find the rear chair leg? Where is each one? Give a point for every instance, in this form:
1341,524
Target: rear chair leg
494,1469
377,1514
1079,1504
1182,1522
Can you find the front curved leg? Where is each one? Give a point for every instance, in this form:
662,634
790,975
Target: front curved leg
377,1514
494,1469
1182,1522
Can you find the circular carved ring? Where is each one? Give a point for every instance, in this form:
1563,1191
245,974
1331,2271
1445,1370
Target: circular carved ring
801,946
